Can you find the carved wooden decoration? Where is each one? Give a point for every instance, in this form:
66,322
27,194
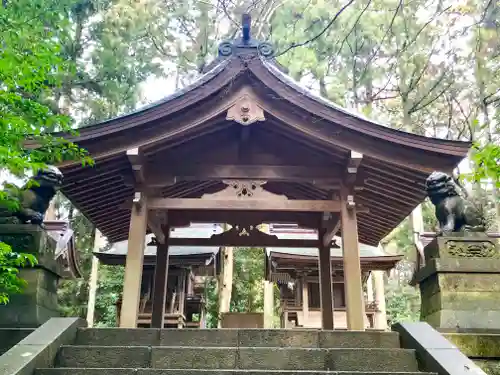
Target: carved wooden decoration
245,111
244,189
251,232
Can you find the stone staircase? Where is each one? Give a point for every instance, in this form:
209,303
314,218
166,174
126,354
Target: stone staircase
232,352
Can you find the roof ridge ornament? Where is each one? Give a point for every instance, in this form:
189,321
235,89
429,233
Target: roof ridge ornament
246,44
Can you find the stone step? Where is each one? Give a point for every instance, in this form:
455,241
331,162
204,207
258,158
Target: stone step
149,371
237,337
238,358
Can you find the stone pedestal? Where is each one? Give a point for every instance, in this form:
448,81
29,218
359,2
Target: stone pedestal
460,283
38,302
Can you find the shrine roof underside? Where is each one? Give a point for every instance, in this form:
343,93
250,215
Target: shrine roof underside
245,119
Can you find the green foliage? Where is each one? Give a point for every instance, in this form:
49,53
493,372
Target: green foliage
73,294
31,66
212,302
402,303
247,293
10,262
487,164
109,290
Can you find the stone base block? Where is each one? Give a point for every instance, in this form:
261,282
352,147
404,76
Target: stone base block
243,320
460,284
479,319
462,245
37,303
31,239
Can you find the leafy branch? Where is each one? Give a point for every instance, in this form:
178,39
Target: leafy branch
317,36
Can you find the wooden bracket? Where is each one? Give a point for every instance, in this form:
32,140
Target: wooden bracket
331,226
158,224
135,158
350,202
138,198
352,166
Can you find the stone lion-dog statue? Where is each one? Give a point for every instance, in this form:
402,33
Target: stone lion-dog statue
33,198
454,212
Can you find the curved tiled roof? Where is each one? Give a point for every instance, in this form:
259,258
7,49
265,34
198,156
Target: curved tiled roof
394,168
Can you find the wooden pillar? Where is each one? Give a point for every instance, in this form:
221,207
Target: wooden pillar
190,284
160,283
99,242
369,288
225,282
325,283
268,304
352,266
305,299
94,276
379,286
182,291
298,292
134,263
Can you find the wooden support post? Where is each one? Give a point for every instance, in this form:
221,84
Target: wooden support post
225,282
94,276
268,304
190,285
160,282
369,288
325,282
134,263
298,293
99,242
352,266
305,299
182,291
379,286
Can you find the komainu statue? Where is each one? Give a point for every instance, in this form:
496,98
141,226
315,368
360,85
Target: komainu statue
34,198
454,212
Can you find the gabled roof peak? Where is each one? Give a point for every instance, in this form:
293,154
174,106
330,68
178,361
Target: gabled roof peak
246,44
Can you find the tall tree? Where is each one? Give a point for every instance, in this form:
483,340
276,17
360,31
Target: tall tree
30,62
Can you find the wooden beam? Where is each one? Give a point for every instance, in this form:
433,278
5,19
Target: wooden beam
244,204
159,176
183,218
243,241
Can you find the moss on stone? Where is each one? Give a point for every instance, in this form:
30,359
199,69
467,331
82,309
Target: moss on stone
476,345
491,367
